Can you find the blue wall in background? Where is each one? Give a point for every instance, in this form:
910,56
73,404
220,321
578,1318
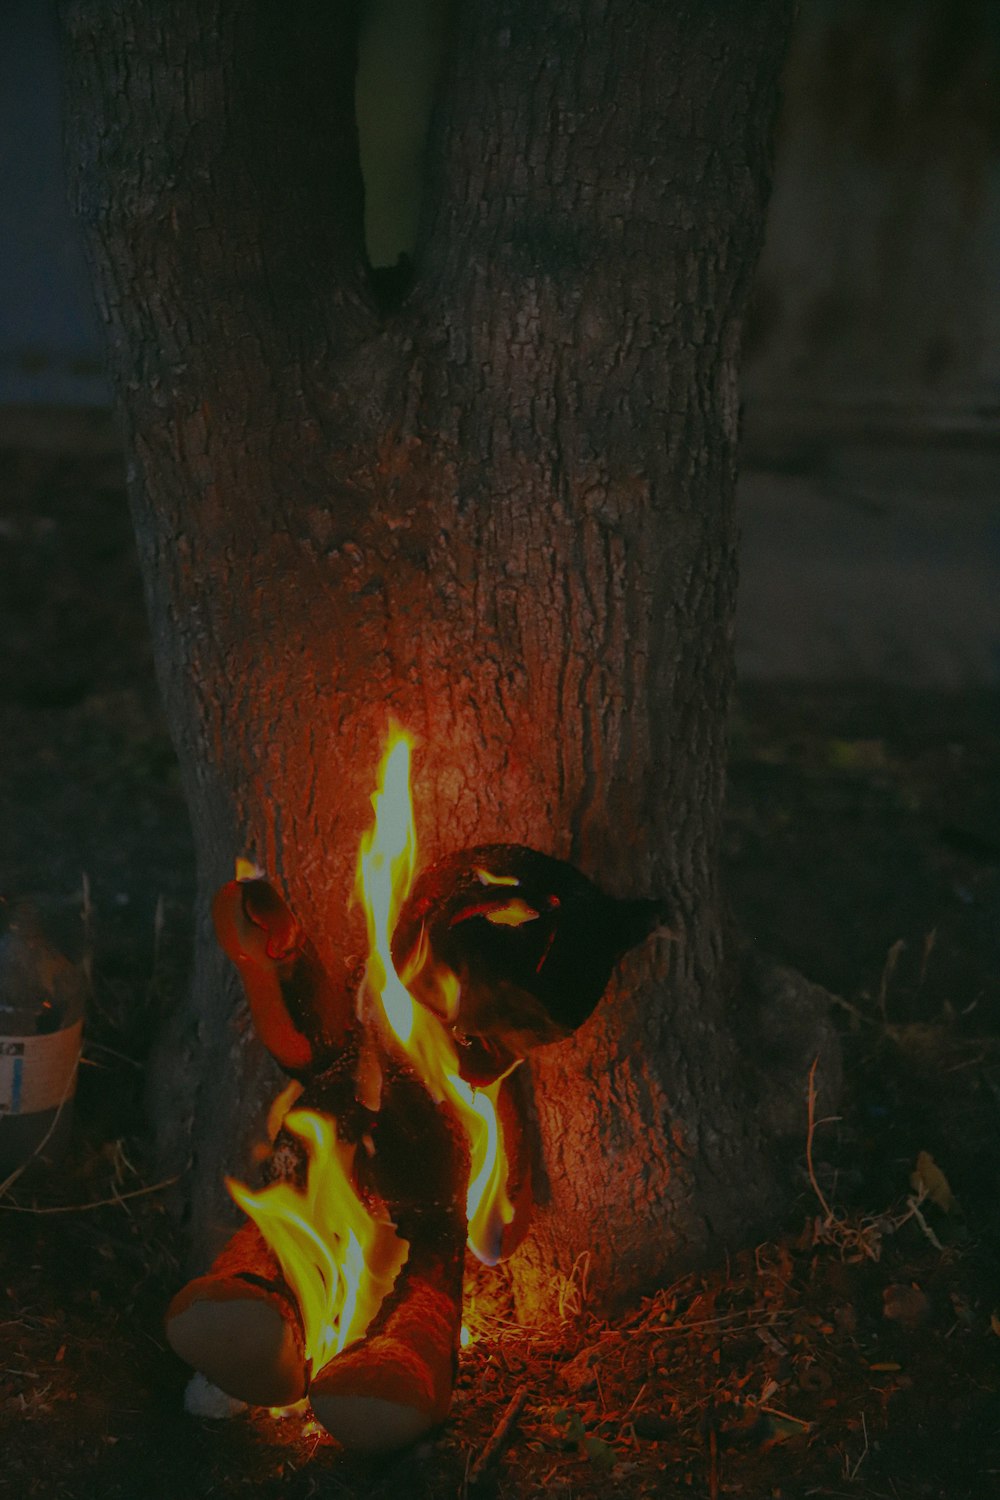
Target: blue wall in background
50,346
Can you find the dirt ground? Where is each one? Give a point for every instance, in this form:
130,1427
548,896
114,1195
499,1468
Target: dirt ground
857,1353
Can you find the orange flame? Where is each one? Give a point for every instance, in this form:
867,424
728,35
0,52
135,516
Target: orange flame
338,1259
386,864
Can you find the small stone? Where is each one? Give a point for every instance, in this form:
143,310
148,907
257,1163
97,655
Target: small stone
203,1399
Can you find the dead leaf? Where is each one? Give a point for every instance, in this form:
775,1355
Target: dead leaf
600,1453
578,1374
995,1322
927,1177
784,1428
570,1424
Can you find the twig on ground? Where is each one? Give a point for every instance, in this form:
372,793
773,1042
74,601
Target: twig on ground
573,1290
499,1436
79,1208
92,1046
861,1241
891,960
810,1132
786,1416
636,1399
852,1473
742,1312
913,1204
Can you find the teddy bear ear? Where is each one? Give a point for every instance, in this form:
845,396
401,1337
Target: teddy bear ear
531,941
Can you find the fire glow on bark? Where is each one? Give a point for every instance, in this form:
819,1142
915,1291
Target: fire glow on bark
337,1257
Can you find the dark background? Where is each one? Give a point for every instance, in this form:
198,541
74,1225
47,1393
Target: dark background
872,365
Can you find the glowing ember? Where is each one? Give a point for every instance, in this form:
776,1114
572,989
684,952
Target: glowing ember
386,864
337,1258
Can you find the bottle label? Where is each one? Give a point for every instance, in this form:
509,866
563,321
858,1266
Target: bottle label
38,1072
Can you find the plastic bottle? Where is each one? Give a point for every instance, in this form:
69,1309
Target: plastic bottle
41,1032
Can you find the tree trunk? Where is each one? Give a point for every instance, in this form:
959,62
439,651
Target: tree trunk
502,514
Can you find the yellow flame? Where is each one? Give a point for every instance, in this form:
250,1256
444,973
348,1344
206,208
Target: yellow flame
386,864
487,877
512,914
338,1259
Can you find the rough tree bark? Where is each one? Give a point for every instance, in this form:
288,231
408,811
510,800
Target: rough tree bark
502,513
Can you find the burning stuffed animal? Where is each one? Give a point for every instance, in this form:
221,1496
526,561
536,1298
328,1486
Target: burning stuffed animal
405,1138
